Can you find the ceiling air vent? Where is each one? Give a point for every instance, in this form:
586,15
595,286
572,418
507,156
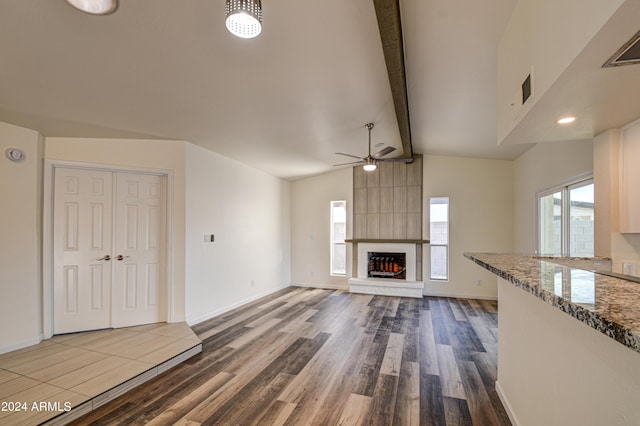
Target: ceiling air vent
627,54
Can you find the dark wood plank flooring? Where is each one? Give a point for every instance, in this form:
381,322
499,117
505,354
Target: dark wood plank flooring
326,357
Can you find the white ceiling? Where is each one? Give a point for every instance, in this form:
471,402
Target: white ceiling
283,102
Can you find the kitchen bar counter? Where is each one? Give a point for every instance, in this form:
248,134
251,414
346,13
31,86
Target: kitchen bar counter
575,286
563,342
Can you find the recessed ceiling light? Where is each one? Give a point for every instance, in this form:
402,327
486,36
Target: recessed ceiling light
566,120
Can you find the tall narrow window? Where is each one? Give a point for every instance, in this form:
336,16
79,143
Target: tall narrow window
439,237
338,235
566,220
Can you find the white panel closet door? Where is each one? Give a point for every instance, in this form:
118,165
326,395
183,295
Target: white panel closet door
83,250
109,245
139,294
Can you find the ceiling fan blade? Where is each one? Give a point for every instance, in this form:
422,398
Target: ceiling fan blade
349,155
344,164
383,152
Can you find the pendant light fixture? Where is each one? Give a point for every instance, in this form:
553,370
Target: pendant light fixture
244,18
95,7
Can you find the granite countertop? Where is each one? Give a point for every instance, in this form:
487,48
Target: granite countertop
578,287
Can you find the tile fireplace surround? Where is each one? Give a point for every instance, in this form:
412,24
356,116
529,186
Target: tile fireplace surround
408,287
387,217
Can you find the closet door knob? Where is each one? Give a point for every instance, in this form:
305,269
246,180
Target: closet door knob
121,257
105,257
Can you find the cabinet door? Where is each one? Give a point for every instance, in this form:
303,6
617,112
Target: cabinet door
630,181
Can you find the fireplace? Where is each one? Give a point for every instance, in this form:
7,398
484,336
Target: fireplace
387,268
387,221
387,265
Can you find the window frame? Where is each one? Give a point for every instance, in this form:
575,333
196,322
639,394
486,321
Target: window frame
564,188
446,246
333,243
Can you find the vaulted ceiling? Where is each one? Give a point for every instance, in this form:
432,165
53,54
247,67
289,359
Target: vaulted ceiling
284,102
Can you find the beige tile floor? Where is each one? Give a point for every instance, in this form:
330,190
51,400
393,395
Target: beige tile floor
42,381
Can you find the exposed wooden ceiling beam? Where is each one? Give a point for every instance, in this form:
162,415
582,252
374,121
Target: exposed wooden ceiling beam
390,27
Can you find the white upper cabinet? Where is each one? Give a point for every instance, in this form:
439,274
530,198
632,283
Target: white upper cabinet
630,180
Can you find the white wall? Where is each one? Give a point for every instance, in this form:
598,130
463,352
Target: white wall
555,370
157,154
544,166
537,40
480,202
311,197
20,255
248,211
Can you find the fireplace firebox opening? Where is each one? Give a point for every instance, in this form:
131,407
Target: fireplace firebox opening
387,265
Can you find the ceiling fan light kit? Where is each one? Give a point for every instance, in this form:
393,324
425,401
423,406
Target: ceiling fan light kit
244,18
370,166
95,7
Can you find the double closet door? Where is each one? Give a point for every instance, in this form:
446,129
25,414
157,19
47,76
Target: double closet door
109,249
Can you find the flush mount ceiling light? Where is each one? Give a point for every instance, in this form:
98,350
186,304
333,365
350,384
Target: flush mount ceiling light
95,7
244,18
566,120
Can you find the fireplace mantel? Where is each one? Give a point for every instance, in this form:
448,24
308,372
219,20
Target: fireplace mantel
368,240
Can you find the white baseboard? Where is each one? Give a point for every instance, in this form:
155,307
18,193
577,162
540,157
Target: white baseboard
459,296
506,405
324,286
22,344
196,320
427,293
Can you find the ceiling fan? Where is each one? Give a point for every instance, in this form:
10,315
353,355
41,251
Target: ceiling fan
370,161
